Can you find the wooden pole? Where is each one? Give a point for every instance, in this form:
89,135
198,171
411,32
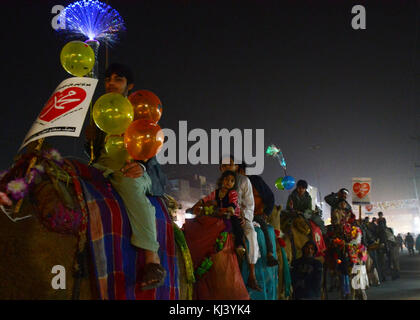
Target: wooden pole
360,212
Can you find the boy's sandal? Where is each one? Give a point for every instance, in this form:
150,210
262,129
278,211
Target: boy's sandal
154,276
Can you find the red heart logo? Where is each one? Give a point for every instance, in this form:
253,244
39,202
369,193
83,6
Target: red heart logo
369,207
61,102
361,189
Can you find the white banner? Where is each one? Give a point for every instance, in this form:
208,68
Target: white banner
65,111
375,207
361,188
396,204
313,192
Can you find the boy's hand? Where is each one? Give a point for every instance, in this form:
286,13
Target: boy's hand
197,209
132,170
241,218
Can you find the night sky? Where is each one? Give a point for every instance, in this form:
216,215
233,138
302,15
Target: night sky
296,69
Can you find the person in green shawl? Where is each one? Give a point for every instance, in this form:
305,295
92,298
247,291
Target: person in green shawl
300,200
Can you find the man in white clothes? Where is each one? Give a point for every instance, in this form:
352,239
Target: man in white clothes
246,203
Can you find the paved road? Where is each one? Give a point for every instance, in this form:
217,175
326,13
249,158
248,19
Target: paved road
407,287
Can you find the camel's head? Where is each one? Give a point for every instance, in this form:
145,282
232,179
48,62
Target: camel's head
172,205
302,225
274,218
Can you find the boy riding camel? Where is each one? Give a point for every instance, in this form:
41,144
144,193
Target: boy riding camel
132,182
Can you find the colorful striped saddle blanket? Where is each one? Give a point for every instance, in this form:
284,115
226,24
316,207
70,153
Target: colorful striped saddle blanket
117,263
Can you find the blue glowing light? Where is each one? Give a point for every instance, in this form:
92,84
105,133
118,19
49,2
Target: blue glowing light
283,162
93,20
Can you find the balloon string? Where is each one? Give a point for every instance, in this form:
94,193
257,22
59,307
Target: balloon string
279,159
92,74
92,154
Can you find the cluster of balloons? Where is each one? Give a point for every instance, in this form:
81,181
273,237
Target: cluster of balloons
77,58
285,183
131,124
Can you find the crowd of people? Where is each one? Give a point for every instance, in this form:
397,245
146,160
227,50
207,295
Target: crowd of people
223,232
365,239
386,246
409,243
228,217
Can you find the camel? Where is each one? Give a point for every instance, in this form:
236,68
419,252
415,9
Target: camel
34,256
29,253
274,220
295,231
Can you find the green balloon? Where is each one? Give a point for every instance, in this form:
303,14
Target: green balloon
113,113
279,184
77,58
115,148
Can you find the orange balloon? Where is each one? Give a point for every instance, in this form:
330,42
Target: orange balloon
146,105
143,139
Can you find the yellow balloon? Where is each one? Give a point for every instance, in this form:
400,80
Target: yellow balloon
115,148
113,113
77,58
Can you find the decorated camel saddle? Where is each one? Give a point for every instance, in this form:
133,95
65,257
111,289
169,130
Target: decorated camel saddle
300,228
220,273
